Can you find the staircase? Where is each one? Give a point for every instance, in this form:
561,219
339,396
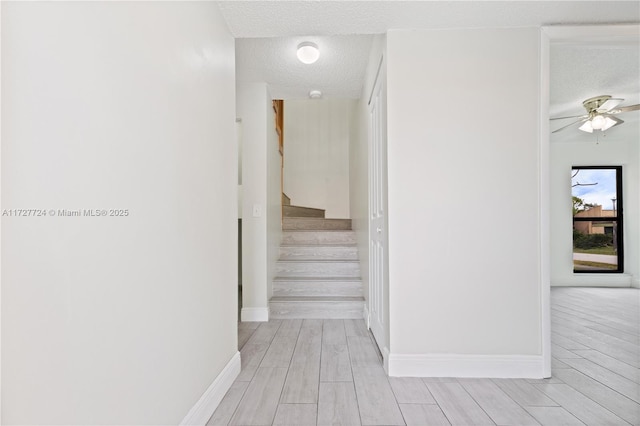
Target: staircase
318,274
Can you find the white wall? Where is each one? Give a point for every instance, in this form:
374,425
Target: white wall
316,154
251,109
463,143
116,320
611,151
261,234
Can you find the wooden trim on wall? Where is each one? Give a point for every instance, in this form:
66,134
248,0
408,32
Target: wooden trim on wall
278,107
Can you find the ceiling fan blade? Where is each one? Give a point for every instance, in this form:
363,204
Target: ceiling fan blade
616,119
609,104
571,116
582,120
625,109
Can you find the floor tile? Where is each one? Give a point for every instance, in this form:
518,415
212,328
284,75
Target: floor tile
585,409
260,401
458,405
376,401
553,416
498,405
228,405
411,390
338,405
296,415
423,414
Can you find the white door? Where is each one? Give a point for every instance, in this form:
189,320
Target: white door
378,276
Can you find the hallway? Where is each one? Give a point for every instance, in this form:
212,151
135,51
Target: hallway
326,372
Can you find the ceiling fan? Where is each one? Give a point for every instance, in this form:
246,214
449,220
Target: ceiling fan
601,111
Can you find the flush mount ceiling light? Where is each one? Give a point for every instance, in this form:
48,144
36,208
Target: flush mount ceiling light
315,94
308,52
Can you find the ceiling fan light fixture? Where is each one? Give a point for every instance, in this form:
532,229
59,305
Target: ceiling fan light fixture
586,127
608,123
308,52
601,114
598,122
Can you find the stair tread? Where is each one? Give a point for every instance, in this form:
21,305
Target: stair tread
317,299
319,230
300,211
303,207
319,260
319,279
290,247
316,246
314,219
316,224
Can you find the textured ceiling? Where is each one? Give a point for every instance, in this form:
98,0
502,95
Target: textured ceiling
581,72
584,71
267,33
337,74
299,18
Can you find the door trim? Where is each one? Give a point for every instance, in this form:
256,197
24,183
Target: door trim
576,35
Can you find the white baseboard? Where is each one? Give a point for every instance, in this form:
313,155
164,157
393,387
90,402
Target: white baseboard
254,314
454,365
202,411
594,280
365,315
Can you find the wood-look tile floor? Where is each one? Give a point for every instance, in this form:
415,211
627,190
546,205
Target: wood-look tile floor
328,372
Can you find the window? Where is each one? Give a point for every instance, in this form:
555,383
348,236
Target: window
596,193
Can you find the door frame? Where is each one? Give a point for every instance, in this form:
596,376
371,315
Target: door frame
550,35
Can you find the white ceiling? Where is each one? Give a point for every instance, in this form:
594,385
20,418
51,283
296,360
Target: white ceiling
582,72
253,19
267,33
337,74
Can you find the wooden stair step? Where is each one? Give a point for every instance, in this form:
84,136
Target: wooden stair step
316,307
318,237
318,252
315,223
298,211
318,299
313,286
318,268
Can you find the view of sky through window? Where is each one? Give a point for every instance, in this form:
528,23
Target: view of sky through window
594,186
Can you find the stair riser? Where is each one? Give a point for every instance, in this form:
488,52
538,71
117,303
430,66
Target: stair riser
316,310
317,269
316,224
320,237
318,253
317,288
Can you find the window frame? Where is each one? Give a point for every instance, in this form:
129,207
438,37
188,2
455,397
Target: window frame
618,218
